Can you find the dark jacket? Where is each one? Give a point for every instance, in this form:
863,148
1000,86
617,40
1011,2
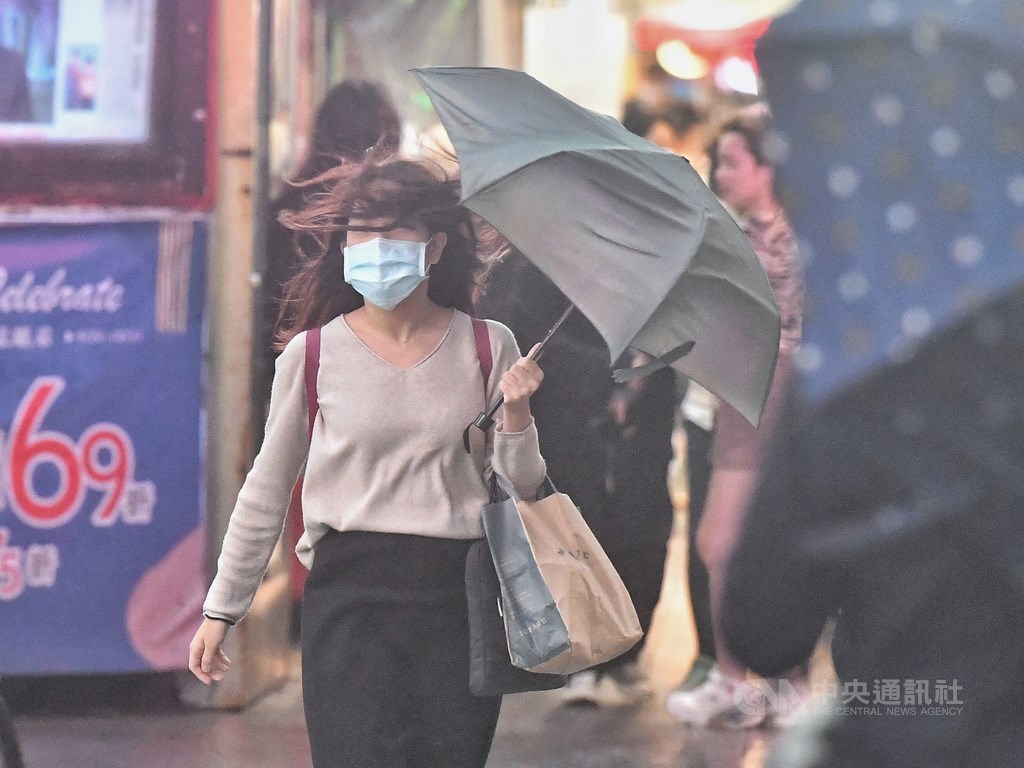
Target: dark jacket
571,406
616,473
284,260
896,507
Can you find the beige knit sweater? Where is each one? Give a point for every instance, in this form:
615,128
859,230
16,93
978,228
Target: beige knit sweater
386,453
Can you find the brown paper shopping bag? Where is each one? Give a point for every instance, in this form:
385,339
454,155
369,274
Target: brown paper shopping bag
565,606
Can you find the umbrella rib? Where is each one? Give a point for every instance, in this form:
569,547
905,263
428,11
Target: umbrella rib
582,150
607,239
622,375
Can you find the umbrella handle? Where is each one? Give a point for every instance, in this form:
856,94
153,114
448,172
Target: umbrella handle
485,420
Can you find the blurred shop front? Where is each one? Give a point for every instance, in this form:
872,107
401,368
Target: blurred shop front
602,53
105,196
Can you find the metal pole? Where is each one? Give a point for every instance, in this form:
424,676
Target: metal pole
260,221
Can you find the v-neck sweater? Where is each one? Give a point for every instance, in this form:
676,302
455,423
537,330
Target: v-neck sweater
386,453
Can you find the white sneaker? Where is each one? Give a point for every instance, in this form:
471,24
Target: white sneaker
581,690
788,706
690,706
721,702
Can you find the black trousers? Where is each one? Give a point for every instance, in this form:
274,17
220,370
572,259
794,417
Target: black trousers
698,459
385,655
635,524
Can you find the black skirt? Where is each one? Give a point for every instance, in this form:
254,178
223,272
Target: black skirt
385,655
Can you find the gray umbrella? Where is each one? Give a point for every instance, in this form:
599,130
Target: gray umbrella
629,232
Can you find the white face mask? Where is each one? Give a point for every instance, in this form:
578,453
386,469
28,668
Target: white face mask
386,271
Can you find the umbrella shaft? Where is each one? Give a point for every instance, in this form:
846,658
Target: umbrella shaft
536,354
486,420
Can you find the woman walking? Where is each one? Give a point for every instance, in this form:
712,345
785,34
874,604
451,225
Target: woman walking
391,499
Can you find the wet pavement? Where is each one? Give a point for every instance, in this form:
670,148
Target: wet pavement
535,731
137,722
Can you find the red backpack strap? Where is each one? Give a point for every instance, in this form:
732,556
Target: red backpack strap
312,369
483,350
483,354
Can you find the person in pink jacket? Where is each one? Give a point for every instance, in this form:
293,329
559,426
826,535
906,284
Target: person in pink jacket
744,178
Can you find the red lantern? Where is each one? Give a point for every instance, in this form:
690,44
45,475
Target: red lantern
716,45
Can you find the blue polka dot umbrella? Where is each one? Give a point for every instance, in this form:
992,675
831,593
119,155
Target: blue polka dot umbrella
901,148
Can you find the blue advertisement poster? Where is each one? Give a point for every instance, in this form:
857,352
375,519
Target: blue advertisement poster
101,473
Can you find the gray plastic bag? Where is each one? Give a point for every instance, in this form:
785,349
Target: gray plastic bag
565,606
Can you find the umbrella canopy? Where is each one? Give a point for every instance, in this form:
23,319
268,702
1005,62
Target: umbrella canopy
903,123
626,230
903,455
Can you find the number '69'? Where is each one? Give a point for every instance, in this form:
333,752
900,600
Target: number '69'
103,459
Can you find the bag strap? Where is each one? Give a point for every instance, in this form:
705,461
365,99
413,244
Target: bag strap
312,369
482,336
500,485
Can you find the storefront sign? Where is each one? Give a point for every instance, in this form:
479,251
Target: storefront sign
101,541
